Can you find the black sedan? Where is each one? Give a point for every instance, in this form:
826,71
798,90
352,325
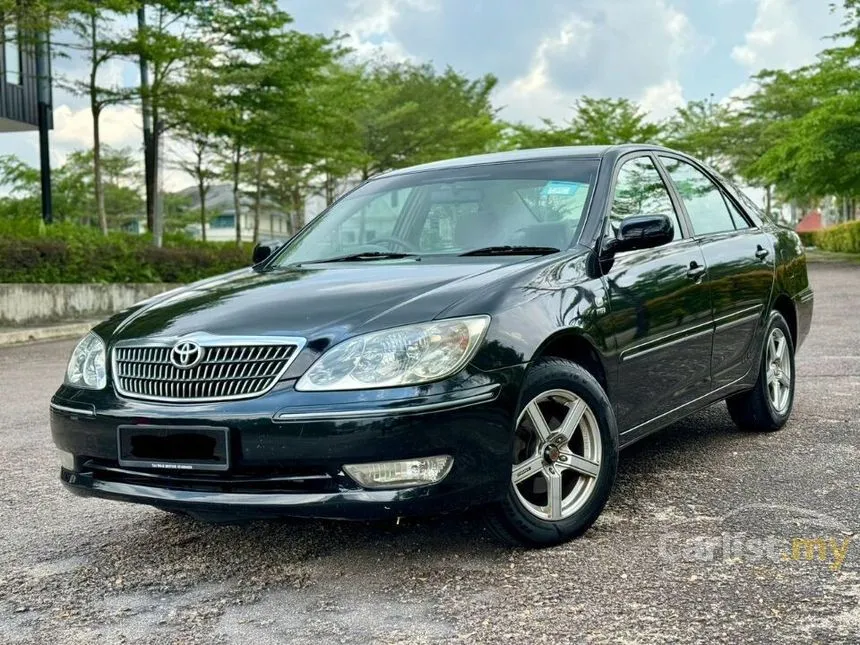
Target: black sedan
487,331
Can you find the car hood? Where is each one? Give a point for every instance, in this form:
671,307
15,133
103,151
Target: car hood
313,301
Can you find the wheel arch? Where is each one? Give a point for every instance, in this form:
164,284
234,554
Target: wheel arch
785,305
574,345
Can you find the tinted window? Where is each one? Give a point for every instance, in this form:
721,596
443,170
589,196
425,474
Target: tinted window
704,202
737,218
639,190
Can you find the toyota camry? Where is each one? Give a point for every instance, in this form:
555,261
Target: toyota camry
485,332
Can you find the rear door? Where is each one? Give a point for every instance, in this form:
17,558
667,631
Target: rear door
740,262
660,305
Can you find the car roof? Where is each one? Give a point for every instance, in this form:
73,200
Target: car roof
582,152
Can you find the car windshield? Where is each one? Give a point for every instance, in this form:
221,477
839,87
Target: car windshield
536,206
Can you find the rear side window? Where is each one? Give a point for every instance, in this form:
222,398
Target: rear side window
702,198
639,190
737,218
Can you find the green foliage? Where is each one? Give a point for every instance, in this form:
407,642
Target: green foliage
595,121
74,199
612,121
31,252
807,237
411,114
842,238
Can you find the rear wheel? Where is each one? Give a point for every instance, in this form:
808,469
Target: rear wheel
564,457
767,406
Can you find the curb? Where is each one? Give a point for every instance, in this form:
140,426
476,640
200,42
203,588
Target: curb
51,332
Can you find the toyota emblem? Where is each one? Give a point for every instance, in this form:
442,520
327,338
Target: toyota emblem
185,354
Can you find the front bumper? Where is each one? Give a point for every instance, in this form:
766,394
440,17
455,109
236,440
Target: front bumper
289,450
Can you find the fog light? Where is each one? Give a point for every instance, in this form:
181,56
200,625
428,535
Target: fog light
401,474
67,460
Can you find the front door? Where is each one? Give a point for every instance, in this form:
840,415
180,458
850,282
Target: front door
660,306
740,262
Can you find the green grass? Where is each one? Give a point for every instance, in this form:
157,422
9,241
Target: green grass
817,255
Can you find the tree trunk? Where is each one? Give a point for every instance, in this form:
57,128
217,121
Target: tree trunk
767,199
237,156
298,210
95,108
157,216
98,186
329,189
258,196
201,192
145,104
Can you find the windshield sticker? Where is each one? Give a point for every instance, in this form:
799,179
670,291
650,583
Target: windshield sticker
567,188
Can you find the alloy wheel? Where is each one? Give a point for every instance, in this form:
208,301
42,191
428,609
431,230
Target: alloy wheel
778,367
557,455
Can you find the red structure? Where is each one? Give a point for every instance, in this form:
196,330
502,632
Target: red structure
810,222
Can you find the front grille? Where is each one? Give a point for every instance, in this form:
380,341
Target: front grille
225,371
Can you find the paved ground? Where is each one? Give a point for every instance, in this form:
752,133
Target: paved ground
695,545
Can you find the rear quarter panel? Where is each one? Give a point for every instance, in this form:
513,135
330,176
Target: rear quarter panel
792,277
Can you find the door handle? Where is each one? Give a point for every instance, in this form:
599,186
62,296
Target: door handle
695,271
761,252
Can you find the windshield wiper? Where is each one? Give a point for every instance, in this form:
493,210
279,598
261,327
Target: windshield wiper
512,250
367,255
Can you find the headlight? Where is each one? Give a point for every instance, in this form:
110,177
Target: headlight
87,364
400,356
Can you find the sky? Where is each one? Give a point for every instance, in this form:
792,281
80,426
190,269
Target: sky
545,53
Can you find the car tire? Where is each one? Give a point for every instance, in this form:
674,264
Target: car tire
767,406
557,390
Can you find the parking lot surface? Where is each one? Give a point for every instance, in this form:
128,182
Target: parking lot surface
711,535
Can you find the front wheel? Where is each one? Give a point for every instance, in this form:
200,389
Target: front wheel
767,406
565,456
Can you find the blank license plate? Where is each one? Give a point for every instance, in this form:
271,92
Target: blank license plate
174,448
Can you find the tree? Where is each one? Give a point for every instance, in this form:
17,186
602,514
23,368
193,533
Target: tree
412,114
173,41
89,21
263,77
809,122
700,128
196,122
520,135
611,121
594,122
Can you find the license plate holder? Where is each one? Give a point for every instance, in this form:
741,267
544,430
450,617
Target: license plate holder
174,448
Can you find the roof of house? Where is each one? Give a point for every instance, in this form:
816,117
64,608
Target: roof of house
810,222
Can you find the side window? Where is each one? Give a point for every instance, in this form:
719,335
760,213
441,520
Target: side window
703,200
639,190
737,219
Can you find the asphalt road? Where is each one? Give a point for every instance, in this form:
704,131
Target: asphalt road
695,545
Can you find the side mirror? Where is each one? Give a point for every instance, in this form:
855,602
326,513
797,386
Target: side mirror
643,232
264,249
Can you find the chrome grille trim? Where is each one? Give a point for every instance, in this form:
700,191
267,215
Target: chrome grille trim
232,368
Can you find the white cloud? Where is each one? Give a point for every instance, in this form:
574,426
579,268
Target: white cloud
631,48
369,27
785,34
119,127
659,101
536,90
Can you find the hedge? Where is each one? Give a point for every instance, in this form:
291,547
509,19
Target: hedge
68,253
807,237
843,238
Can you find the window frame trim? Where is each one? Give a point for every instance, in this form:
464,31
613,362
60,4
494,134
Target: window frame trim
671,154
681,214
